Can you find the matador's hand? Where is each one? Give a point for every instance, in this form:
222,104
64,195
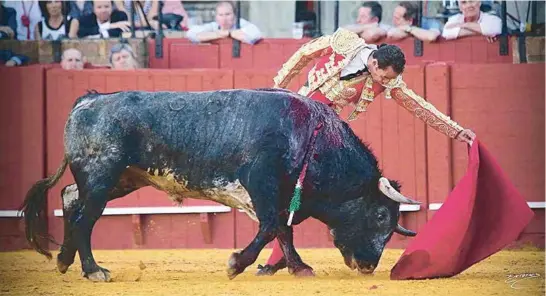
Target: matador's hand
467,136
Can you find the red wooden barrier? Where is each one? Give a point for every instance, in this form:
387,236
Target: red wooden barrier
504,104
470,50
437,81
427,163
188,56
264,78
21,145
267,54
270,54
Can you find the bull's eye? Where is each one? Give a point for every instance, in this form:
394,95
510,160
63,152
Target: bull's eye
382,216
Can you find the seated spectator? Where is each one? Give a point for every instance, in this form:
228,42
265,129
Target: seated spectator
52,26
145,12
172,9
404,20
224,27
8,23
122,57
72,59
472,22
10,59
104,22
368,23
79,8
28,15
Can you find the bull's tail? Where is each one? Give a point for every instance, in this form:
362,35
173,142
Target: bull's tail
34,210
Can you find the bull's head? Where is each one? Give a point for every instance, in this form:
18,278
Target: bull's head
363,226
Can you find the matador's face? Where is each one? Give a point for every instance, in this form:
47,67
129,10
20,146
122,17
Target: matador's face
382,76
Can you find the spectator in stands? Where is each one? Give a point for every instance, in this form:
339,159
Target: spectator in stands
472,22
224,27
122,57
52,26
104,22
72,59
404,20
10,59
145,12
28,15
368,23
79,8
8,23
176,8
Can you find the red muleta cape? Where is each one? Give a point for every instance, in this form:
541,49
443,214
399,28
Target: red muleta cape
482,215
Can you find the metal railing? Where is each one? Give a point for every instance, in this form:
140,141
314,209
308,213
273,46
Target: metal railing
236,48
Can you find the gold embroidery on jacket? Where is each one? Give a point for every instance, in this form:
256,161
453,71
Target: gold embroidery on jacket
346,42
425,111
366,97
342,42
309,51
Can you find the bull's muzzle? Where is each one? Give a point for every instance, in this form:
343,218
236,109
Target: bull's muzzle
362,267
367,269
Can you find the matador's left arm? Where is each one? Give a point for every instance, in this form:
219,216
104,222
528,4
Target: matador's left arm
301,58
422,109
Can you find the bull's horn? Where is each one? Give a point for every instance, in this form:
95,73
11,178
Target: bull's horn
387,189
403,231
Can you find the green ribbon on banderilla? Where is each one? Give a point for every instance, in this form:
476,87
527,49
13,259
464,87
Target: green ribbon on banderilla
295,203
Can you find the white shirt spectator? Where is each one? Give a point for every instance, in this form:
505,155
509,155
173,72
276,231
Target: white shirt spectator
252,33
490,25
32,10
103,28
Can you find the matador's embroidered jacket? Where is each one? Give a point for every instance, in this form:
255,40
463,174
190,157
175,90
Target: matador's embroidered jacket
336,80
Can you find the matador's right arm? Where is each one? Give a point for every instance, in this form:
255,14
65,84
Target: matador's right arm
309,51
422,109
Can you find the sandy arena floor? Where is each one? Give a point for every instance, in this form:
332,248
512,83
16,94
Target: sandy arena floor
202,272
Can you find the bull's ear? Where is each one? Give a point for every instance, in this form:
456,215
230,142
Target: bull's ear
396,184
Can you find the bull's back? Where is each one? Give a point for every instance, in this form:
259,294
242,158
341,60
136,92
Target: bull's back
194,130
231,119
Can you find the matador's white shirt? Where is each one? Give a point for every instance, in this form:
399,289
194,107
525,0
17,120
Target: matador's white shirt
360,61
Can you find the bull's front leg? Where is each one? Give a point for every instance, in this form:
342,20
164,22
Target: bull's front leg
238,262
293,260
261,178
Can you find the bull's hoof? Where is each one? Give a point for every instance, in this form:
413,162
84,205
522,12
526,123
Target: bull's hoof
62,267
302,271
102,275
232,273
62,264
233,269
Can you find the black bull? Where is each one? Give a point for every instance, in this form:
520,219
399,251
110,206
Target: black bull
241,148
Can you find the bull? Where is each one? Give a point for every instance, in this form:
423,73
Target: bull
241,148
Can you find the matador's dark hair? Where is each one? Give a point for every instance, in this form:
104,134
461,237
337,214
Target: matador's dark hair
390,55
